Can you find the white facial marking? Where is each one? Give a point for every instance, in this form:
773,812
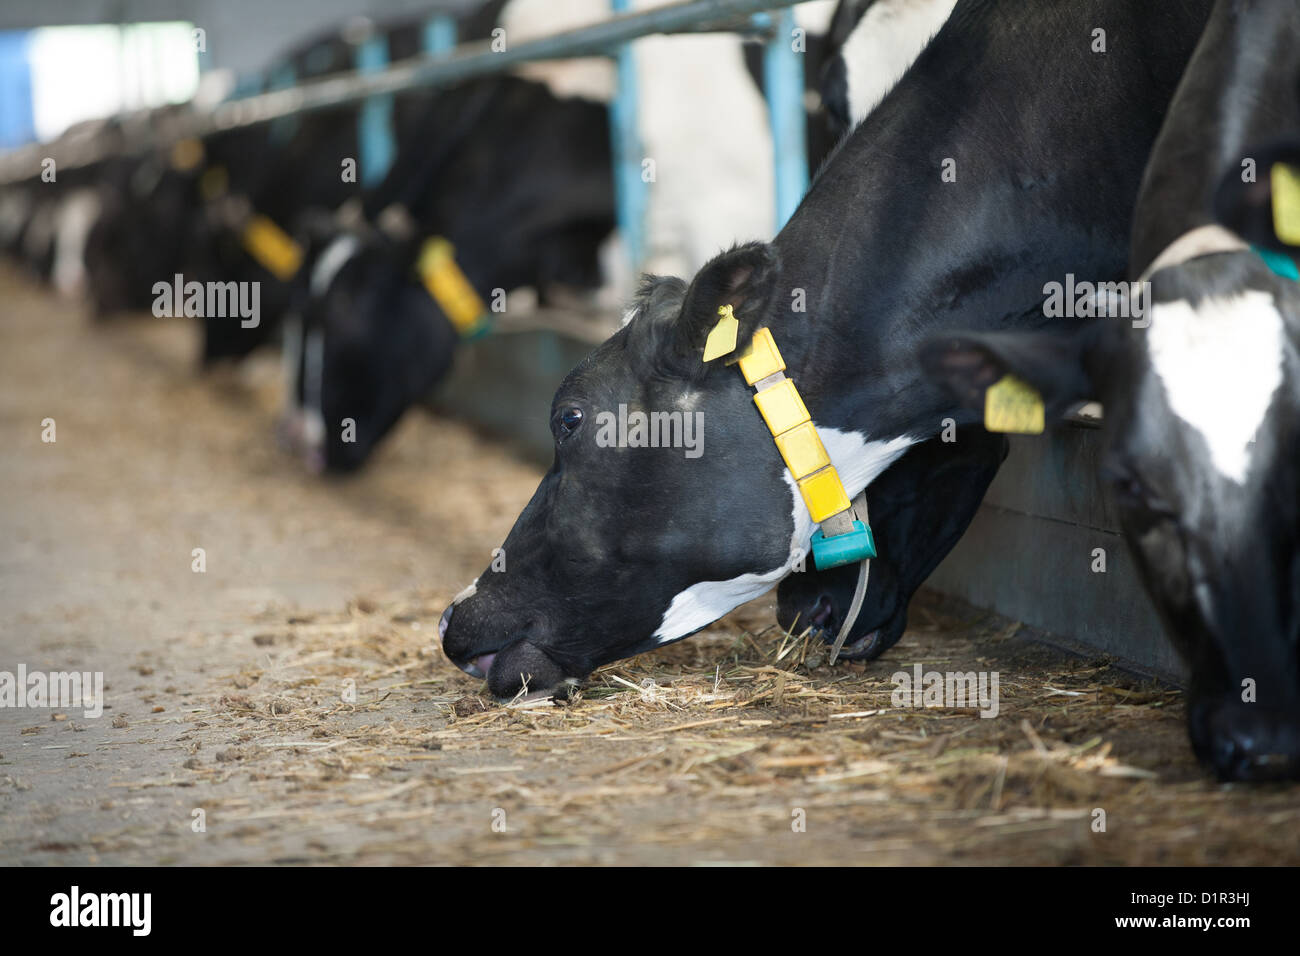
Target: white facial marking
1220,363
290,357
313,373
77,216
884,44
334,258
858,461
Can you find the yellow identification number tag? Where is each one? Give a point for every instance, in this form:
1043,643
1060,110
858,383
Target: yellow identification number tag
1286,202
1011,405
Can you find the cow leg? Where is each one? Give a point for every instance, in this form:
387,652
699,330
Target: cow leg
920,507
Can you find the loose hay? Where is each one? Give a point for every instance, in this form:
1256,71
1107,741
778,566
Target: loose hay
705,750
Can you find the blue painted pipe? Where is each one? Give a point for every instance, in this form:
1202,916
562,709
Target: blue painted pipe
439,34
282,77
375,123
630,192
783,81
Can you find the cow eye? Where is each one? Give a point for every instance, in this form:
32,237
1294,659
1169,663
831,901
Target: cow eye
570,419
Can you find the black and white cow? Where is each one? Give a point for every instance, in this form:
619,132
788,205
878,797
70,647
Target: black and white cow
1201,396
624,549
518,180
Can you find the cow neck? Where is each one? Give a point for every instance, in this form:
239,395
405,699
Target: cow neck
843,536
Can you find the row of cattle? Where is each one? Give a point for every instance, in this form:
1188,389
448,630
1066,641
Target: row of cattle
990,149
370,283
1025,146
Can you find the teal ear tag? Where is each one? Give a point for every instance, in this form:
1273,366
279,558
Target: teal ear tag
848,548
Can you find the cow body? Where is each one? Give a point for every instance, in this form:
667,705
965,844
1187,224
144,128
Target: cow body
1202,399
623,549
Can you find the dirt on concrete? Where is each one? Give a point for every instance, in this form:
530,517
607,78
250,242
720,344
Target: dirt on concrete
289,703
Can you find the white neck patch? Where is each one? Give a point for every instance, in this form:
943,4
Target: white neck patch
884,44
858,462
1220,363
335,257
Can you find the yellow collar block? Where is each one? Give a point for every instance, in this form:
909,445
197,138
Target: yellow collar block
802,449
824,494
272,247
781,406
761,357
449,286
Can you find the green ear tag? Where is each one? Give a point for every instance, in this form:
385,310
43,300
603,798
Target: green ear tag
1286,203
722,340
1011,405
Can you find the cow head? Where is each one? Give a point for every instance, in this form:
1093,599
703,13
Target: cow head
624,548
1202,419
368,343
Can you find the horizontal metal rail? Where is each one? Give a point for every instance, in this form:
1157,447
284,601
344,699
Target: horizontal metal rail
467,61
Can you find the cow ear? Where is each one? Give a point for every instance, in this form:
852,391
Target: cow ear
745,279
1261,201
1064,367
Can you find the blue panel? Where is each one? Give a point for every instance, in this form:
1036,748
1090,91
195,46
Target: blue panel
375,133
783,81
630,192
17,123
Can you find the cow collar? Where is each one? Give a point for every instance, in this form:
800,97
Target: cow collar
844,536
448,285
1210,240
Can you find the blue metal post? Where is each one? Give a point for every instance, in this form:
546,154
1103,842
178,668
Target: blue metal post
281,78
375,123
439,34
630,193
783,80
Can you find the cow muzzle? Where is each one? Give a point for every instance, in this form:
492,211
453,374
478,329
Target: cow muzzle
516,668
1249,743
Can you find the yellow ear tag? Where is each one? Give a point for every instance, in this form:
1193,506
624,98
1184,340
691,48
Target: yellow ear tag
213,183
1286,203
1011,405
722,340
186,154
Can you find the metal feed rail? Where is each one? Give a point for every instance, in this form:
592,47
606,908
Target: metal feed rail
782,69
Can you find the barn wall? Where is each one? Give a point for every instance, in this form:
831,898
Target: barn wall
1029,554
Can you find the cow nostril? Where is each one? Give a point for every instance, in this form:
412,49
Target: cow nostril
823,612
444,621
